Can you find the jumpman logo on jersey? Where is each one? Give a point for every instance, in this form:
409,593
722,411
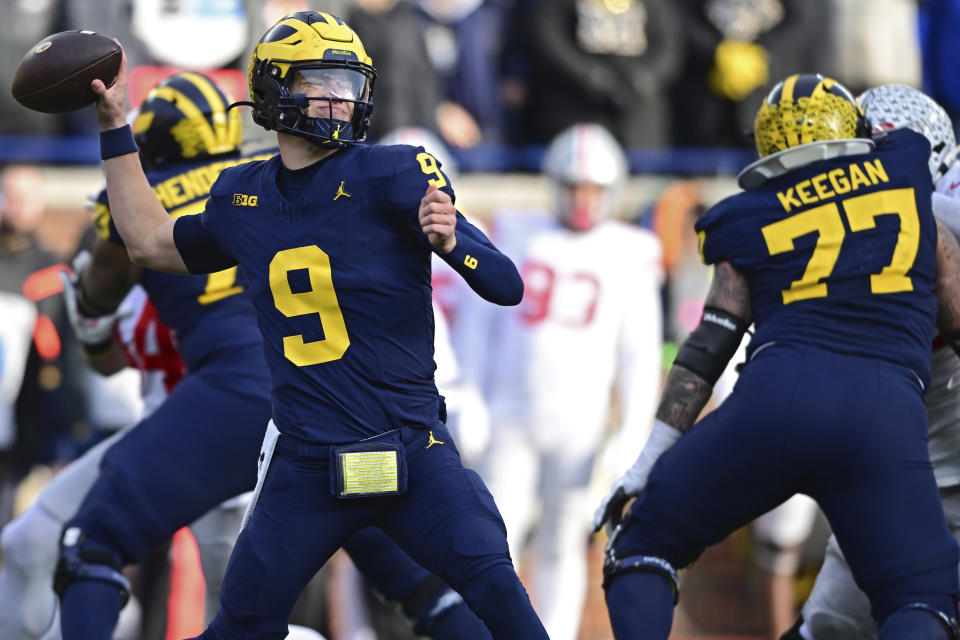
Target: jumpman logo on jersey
340,191
432,441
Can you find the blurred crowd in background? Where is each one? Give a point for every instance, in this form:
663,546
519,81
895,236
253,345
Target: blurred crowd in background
657,73
470,77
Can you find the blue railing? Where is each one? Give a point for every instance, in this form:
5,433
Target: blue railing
485,158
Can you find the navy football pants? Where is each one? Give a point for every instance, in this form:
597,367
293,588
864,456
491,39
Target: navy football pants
196,450
850,432
446,521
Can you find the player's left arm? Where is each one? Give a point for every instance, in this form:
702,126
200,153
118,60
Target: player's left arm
464,247
702,358
705,353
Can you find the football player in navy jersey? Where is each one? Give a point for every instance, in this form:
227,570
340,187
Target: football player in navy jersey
335,239
199,448
833,252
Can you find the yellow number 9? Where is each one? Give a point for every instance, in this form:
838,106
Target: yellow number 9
321,299
428,164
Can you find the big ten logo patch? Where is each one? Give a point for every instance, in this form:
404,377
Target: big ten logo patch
242,200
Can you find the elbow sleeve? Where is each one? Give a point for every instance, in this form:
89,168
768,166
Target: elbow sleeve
708,349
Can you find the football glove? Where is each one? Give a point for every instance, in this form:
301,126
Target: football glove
92,330
631,483
739,67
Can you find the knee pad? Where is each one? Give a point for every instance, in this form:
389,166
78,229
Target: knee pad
80,561
950,625
614,565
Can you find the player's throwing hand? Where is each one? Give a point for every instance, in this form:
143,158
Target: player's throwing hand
112,101
438,219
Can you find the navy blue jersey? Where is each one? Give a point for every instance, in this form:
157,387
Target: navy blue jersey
204,311
340,279
839,254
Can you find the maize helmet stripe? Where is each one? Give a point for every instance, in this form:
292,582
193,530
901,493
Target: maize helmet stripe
186,117
142,122
786,93
218,110
191,111
227,125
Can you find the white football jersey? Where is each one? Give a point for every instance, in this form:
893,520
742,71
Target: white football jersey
590,317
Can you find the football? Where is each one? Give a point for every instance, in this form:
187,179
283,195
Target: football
55,75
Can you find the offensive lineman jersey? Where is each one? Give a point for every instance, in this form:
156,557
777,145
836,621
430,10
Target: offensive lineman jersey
839,254
204,311
340,279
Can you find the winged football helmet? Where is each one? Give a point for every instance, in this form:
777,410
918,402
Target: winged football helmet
185,118
895,106
315,49
806,108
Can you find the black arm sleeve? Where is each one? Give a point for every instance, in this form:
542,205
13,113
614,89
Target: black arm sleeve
708,349
198,247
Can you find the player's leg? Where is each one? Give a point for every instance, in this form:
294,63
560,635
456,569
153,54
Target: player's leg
295,525
449,524
728,469
836,606
558,550
195,451
885,510
435,609
28,605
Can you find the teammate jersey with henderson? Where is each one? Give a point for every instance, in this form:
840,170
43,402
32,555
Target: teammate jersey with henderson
206,312
340,280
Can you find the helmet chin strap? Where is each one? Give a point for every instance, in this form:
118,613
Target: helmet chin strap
327,132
